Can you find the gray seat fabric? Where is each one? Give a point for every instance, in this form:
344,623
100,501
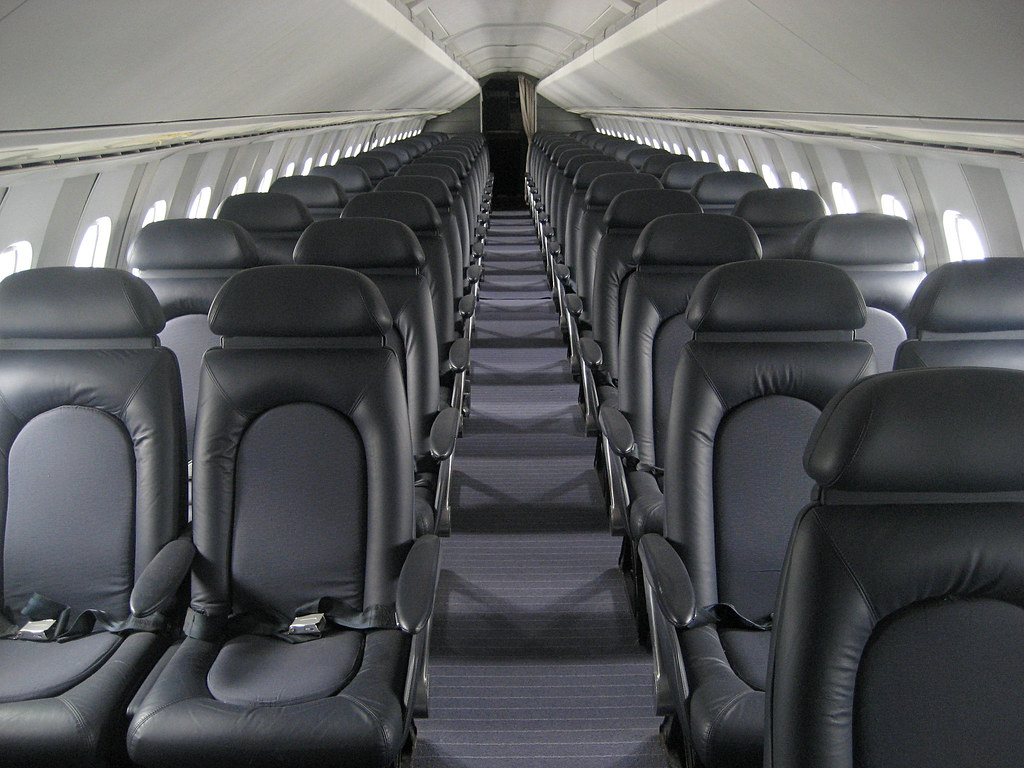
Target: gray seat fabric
881,658
323,196
657,164
94,466
375,167
274,220
967,313
312,509
778,216
185,262
351,178
685,174
884,255
773,342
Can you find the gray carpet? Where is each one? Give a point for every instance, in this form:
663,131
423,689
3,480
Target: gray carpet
534,660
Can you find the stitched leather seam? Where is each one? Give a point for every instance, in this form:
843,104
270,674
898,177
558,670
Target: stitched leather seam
720,717
846,565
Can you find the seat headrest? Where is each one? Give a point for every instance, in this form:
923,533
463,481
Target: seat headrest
373,166
776,295
434,157
589,171
442,172
411,208
430,186
784,207
685,174
971,297
351,178
77,303
578,161
390,157
636,208
697,240
861,240
656,164
726,187
924,430
265,212
638,156
360,244
313,191
285,300
608,186
192,244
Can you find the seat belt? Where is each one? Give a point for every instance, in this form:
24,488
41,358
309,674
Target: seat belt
725,616
47,620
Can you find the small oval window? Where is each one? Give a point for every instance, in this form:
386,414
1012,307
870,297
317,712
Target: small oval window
741,165
770,176
200,204
157,212
676,149
843,198
891,206
962,239
323,160
307,166
240,186
266,181
92,248
15,257
705,156
724,162
336,156
289,169
797,181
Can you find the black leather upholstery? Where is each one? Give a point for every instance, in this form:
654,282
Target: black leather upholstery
577,203
967,313
302,490
274,220
375,168
884,254
719,191
93,440
323,196
685,174
773,343
351,178
185,262
881,658
418,213
624,219
658,163
672,253
778,216
460,208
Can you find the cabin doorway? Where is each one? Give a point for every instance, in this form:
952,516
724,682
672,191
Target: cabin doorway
502,121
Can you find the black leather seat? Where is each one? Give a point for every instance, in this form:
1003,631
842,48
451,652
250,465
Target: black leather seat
274,221
901,608
967,313
303,519
778,216
685,174
94,467
393,156
351,178
719,191
375,168
460,209
577,204
657,164
884,255
773,342
323,196
185,262
639,156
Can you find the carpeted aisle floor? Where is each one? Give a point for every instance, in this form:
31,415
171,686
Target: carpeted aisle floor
534,661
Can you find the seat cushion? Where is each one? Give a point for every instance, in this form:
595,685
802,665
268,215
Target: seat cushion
41,670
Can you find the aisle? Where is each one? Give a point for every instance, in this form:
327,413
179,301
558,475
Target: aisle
534,660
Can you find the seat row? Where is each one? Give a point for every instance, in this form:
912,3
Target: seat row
311,593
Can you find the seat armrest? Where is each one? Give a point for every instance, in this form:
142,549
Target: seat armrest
474,273
616,428
443,433
668,579
561,272
458,355
417,584
158,583
478,250
590,352
467,306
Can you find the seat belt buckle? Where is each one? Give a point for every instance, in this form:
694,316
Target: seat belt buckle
310,624
40,631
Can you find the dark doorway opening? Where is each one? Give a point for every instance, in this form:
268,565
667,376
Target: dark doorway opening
506,139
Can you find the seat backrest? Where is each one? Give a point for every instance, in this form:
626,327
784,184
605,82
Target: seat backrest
719,191
374,167
350,178
438,193
185,262
639,156
602,190
773,342
900,610
778,216
274,220
884,255
418,213
460,208
303,479
628,213
93,437
389,254
576,204
393,156
672,254
685,174
968,313
657,164
323,196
